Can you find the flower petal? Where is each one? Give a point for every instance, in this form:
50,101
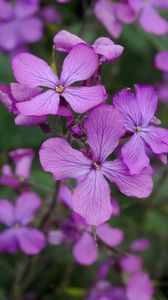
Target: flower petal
107,49
85,251
7,98
157,139
26,207
131,263
147,101
110,236
8,241
104,127
22,92
23,160
44,104
140,245
65,195
152,22
31,241
56,237
6,212
80,64
139,287
139,186
22,120
59,158
134,155
91,199
33,71
161,61
65,41
126,102
83,98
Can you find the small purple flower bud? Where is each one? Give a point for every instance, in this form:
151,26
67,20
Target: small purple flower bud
76,131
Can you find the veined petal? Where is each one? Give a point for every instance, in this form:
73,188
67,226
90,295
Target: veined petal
152,22
44,104
80,64
6,212
65,41
22,92
31,240
126,102
147,101
107,49
104,127
91,199
139,186
110,236
85,251
26,207
83,98
33,71
134,155
157,139
59,158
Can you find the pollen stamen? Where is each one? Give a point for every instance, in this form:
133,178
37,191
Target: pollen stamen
59,89
96,166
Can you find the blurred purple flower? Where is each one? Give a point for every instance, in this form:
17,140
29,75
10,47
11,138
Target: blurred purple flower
131,264
149,18
18,235
91,198
22,159
106,48
19,25
113,15
161,61
139,287
140,245
51,15
139,112
80,64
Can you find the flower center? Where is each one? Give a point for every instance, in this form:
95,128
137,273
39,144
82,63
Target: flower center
59,89
138,129
96,166
17,225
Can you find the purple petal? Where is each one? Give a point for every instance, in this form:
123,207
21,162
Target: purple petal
25,9
33,71
56,237
23,92
134,155
140,245
136,5
110,236
6,212
7,99
125,13
131,264
31,30
160,3
104,127
8,241
152,22
126,102
23,160
51,15
44,104
139,287
84,98
161,61
65,195
59,158
65,41
157,139
22,120
80,64
91,199
116,207
107,49
85,251
139,186
147,101
26,207
31,241
6,10
9,37
105,12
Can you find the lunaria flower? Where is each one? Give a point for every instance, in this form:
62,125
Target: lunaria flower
16,217
75,230
139,111
149,18
22,159
91,198
113,15
80,64
106,48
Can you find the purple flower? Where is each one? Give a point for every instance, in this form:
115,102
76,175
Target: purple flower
112,15
51,15
139,287
161,61
91,198
21,27
65,41
80,64
22,159
131,264
16,217
139,112
150,19
140,245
